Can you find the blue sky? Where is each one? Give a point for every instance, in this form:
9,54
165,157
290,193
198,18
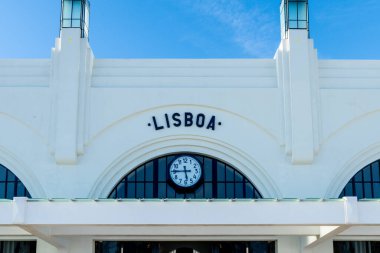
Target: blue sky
343,29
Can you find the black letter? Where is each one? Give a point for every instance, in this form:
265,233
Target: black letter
155,124
200,120
167,120
211,124
176,119
188,119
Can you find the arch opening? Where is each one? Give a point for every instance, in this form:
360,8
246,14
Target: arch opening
153,179
10,185
365,183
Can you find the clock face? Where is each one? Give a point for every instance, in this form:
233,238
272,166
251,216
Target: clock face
185,171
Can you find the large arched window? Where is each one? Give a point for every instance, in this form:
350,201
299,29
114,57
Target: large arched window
365,183
10,185
151,180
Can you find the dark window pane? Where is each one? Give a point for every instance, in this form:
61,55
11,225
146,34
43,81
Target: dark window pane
2,190
367,174
149,190
376,189
140,192
249,191
359,176
161,190
170,192
376,171
140,174
221,176
149,171
239,194
348,190
199,194
112,195
359,190
131,192
229,174
238,177
230,191
20,189
11,176
120,190
2,173
10,190
162,169
207,168
208,190
367,190
221,190
132,176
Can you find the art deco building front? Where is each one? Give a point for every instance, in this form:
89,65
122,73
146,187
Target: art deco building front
189,155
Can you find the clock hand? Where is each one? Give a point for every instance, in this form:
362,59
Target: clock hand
184,167
181,171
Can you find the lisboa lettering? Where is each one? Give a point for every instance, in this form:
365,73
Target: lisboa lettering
186,119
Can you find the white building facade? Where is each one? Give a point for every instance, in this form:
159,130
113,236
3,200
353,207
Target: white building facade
88,149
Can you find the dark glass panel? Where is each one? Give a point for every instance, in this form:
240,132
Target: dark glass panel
199,193
140,174
257,194
149,171
239,192
368,190
359,190
140,190
2,190
10,190
162,169
230,177
185,247
221,193
11,176
348,190
207,165
20,189
221,171
149,190
359,176
208,190
170,192
161,190
131,192
375,247
113,195
376,190
3,172
120,190
376,171
180,195
238,177
248,191
367,173
132,176
230,190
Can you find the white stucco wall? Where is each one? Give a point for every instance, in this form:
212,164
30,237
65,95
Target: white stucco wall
295,125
